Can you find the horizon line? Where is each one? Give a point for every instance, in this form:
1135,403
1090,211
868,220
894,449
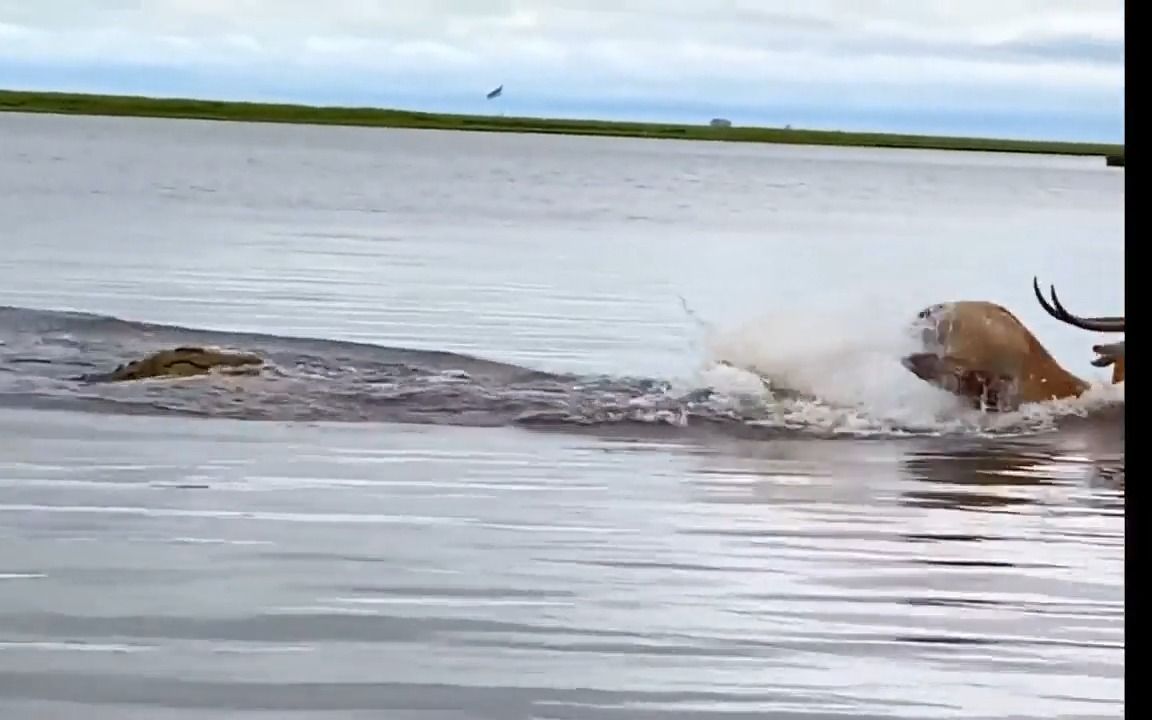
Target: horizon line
703,124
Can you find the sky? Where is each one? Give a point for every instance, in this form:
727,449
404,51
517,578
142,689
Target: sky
1050,69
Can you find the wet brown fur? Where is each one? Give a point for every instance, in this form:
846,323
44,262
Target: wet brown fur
982,352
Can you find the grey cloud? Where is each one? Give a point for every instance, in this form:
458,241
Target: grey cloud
1067,49
907,18
1081,49
642,47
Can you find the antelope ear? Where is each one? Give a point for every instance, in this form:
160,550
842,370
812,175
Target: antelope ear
926,366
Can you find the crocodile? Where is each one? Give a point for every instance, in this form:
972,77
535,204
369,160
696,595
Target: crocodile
184,361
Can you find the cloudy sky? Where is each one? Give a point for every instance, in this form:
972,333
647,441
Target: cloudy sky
1020,68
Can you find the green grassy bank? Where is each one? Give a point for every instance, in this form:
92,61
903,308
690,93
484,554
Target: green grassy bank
67,103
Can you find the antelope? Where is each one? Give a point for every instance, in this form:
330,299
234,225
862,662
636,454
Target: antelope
981,352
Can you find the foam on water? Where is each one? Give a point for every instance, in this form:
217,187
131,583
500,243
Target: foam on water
840,372
818,376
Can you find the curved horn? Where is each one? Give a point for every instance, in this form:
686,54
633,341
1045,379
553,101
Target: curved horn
1099,324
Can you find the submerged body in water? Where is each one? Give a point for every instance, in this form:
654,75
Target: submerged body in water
51,359
181,362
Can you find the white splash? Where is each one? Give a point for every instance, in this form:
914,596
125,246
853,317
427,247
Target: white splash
841,373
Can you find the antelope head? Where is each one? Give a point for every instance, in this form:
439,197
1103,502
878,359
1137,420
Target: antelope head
1108,354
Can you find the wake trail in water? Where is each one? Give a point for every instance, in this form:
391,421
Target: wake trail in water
843,372
816,377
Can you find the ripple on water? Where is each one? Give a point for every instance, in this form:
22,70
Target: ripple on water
611,576
823,538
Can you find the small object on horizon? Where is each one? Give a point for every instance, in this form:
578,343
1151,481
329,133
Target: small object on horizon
495,93
1114,160
721,123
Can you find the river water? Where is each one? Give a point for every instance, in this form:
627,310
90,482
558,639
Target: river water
494,468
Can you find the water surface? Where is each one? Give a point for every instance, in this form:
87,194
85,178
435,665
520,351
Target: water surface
492,470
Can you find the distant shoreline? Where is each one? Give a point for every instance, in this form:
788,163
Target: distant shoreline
180,108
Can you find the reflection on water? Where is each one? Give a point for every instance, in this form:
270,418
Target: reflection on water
637,547
1003,475
409,569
